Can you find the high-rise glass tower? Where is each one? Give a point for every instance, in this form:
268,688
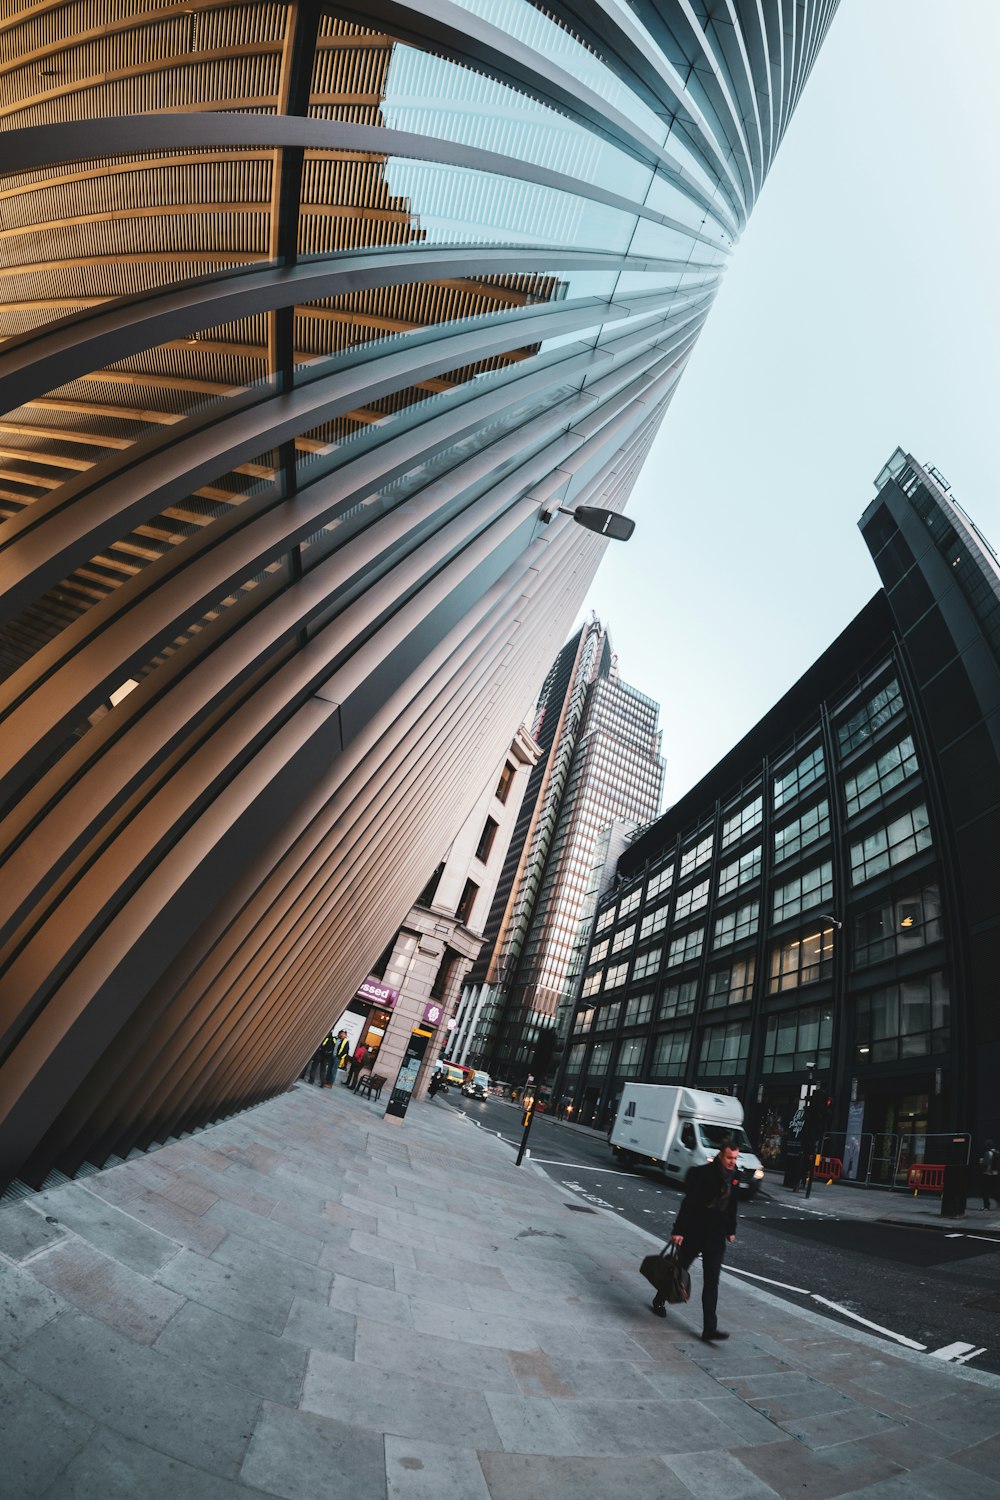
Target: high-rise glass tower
317,317
601,765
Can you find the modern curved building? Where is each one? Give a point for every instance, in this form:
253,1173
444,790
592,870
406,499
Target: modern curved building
313,317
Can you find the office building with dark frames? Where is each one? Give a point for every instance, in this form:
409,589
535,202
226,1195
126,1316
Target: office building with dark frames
822,911
316,320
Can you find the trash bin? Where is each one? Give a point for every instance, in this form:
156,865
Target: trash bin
793,1164
955,1189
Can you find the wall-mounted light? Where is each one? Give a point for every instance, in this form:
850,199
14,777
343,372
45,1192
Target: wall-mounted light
609,523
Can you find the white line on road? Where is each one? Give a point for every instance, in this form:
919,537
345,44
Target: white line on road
846,1313
541,1161
963,1359
783,1284
952,1351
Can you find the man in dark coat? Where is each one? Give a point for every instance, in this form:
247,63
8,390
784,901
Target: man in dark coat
705,1224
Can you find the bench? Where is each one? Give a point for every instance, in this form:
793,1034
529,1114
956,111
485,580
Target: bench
371,1083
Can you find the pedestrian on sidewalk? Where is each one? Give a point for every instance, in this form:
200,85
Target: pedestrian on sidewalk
342,1051
989,1174
314,1067
355,1065
705,1224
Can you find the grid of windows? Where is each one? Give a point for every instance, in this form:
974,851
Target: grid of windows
802,961
897,925
910,1019
887,847
659,881
724,1049
599,953
574,1064
606,1018
584,1021
605,920
638,1009
654,921
747,867
792,783
804,891
878,777
623,938
615,976
599,1059
591,984
647,963
686,947
801,832
633,1050
733,925
678,999
798,1039
739,823
732,984
691,900
696,855
670,1054
880,708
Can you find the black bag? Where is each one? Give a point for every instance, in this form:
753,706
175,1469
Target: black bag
667,1275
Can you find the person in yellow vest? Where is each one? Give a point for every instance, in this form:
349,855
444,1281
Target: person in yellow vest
343,1053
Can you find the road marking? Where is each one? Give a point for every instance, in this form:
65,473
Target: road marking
963,1359
846,1312
783,1284
956,1234
542,1161
952,1351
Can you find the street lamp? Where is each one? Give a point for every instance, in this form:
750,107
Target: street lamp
609,523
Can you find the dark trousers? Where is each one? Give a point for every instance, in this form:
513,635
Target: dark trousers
712,1253
326,1068
990,1182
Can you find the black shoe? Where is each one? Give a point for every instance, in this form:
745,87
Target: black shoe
658,1308
714,1338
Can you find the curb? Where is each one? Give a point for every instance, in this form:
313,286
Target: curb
946,1226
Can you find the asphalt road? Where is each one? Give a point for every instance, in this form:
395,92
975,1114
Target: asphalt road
916,1287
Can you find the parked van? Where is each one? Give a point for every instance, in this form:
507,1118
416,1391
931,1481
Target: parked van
678,1128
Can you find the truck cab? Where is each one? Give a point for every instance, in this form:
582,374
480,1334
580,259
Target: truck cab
677,1128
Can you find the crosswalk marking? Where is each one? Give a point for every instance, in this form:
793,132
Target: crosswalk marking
957,1353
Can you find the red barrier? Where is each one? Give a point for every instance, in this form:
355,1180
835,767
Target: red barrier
829,1167
925,1178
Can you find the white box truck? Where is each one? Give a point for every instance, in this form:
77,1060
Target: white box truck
679,1128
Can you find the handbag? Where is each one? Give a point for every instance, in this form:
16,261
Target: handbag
665,1272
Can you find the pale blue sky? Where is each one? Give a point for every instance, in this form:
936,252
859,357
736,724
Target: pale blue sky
861,311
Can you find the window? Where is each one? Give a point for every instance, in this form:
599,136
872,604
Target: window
686,947
486,838
504,784
606,1018
678,999
463,910
736,924
600,952
659,881
910,1019
802,961
899,924
732,984
724,1049
691,900
444,975
746,868
591,984
630,1057
426,897
887,847
630,902
670,1054
638,1009
878,777
647,963
792,783
599,1059
575,1060
623,938
696,855
584,1021
794,837
740,823
655,921
798,1039
880,708
605,919
811,888
615,976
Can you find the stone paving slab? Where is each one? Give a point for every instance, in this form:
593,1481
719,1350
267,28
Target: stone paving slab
306,1302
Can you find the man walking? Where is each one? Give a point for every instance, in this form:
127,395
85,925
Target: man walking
705,1224
989,1174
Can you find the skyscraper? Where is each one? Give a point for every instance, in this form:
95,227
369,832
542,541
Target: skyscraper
315,316
602,763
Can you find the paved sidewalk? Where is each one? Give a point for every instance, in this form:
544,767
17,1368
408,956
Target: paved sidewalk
305,1301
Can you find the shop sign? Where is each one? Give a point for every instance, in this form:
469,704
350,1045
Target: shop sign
377,993
432,1013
